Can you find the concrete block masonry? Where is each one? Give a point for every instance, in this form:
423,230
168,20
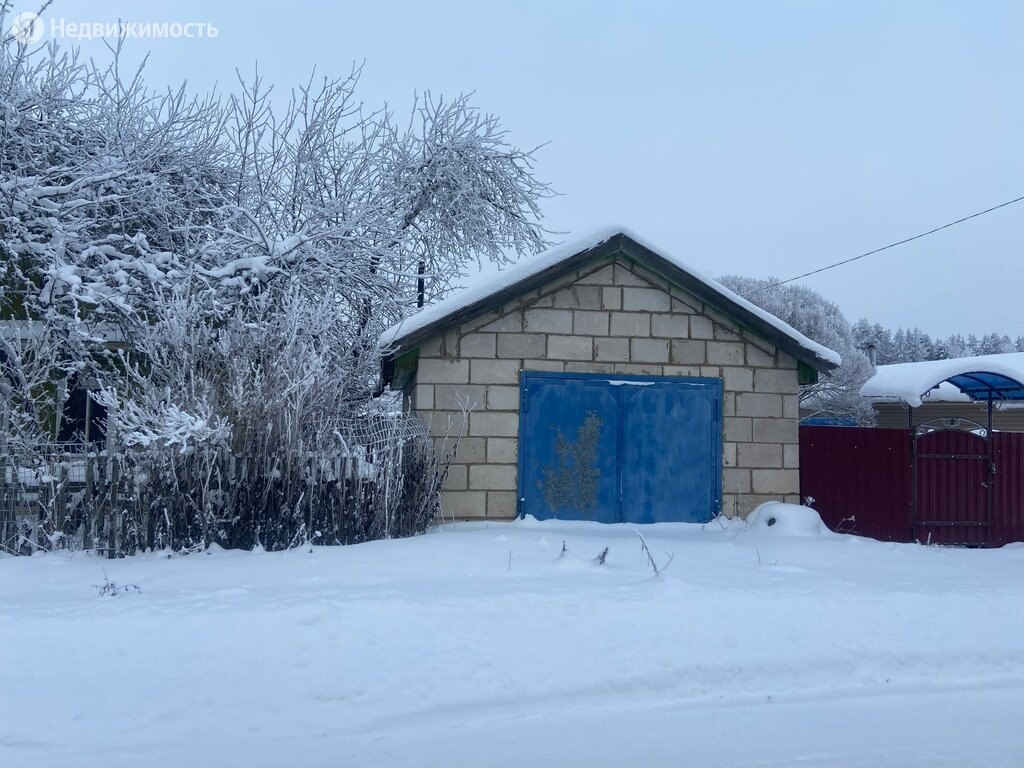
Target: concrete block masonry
609,319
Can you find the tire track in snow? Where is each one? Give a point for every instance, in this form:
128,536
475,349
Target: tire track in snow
703,686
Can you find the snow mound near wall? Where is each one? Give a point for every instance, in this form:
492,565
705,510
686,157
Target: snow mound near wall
787,520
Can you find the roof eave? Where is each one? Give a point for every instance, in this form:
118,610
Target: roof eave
694,285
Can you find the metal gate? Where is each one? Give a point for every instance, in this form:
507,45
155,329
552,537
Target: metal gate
953,474
636,449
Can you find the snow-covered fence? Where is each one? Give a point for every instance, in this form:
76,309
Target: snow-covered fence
384,484
49,497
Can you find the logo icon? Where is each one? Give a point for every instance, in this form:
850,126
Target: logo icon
27,28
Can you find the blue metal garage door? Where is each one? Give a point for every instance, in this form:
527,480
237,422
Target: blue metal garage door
634,449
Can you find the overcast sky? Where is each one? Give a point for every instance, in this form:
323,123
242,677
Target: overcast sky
761,138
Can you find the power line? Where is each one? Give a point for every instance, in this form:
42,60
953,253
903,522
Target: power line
887,247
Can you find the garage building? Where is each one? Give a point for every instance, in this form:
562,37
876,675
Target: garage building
606,380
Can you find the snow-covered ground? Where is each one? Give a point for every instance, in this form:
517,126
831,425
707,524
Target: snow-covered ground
479,645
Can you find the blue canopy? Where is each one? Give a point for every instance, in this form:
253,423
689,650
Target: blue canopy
982,385
985,378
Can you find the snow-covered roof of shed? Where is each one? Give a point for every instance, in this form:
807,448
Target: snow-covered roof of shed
985,377
479,297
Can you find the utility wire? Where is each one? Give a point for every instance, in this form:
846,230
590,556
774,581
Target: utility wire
886,247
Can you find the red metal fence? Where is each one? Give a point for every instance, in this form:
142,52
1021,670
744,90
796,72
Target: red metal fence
863,481
1008,487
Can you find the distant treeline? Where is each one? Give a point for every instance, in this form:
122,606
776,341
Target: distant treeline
912,345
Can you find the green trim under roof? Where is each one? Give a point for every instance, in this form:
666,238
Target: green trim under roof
805,374
403,369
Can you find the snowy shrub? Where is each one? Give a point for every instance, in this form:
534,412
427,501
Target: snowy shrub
112,589
219,270
386,486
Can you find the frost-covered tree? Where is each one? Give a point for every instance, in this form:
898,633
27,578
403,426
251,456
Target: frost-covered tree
221,268
100,183
866,334
809,312
995,344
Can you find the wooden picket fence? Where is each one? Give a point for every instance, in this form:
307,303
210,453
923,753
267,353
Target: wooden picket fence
78,498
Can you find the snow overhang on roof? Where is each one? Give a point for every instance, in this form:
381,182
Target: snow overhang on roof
534,272
981,378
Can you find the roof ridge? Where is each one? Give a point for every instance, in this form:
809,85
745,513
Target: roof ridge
477,299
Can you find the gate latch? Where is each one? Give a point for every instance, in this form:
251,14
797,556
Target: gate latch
991,473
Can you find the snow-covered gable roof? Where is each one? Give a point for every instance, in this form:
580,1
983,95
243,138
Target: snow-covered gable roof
985,377
535,271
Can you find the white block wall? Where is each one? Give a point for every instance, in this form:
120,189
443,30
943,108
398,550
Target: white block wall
609,318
